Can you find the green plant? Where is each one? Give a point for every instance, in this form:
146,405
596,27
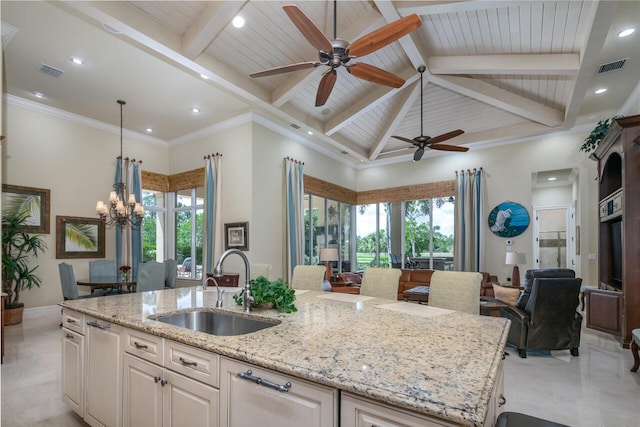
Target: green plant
265,292
17,248
593,139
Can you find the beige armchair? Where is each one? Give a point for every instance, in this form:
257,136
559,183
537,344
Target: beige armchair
308,277
380,283
456,290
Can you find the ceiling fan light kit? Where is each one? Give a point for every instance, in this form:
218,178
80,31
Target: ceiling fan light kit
423,141
337,53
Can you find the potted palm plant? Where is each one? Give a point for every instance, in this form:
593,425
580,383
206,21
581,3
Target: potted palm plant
17,275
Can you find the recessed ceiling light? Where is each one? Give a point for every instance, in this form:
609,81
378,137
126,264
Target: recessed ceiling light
551,178
238,22
38,94
204,77
309,132
601,90
148,130
76,60
195,110
626,32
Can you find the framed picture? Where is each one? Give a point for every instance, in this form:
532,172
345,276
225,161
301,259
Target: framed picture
508,219
78,237
236,236
34,201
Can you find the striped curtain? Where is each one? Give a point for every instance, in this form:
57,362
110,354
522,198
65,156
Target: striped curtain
213,236
293,226
129,238
469,221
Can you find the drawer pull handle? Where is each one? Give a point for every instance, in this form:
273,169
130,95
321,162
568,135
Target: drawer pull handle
70,336
138,345
98,325
501,401
260,381
71,321
156,379
186,362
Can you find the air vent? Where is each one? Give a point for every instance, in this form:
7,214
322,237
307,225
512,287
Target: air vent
295,126
50,71
612,66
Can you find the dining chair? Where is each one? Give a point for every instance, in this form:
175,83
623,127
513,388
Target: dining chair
456,290
258,270
69,284
380,282
309,277
170,273
150,276
103,268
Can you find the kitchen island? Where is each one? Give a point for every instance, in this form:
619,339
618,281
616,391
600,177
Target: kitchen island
438,363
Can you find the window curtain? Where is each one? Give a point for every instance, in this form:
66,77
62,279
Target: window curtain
469,220
294,217
212,212
129,238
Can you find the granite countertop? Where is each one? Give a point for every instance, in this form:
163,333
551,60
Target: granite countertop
429,360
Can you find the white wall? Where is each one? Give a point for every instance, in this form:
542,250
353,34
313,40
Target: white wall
508,177
77,164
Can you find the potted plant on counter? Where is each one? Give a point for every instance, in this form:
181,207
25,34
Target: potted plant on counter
17,275
268,294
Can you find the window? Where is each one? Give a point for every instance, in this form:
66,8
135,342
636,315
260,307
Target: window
153,233
188,214
328,224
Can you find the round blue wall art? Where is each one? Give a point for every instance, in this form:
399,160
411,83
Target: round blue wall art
508,219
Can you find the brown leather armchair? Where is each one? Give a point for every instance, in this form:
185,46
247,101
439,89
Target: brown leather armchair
546,316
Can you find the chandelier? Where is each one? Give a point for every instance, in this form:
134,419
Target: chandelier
117,210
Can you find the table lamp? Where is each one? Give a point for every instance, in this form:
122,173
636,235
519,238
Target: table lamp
328,255
515,258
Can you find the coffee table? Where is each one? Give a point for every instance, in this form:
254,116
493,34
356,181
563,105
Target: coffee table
493,307
419,293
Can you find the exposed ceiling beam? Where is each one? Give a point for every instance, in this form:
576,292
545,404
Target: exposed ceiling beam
408,98
547,64
367,103
207,25
448,6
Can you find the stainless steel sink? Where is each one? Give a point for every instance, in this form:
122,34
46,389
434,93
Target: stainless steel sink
215,322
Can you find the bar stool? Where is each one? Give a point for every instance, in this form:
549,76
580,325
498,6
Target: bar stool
514,419
635,345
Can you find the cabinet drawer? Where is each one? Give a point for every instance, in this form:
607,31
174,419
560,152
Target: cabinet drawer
73,320
143,345
192,362
359,412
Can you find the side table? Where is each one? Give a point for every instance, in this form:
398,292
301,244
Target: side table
227,279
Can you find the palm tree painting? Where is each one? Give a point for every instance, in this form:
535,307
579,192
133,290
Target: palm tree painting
79,237
32,202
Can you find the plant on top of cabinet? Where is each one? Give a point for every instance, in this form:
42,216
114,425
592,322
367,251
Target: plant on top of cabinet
593,139
267,293
17,275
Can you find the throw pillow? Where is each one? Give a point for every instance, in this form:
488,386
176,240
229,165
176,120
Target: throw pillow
506,295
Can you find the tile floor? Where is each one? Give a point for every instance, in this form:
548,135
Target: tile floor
593,390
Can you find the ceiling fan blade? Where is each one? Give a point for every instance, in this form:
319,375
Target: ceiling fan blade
308,29
286,69
326,86
445,147
402,138
445,136
384,35
418,154
374,74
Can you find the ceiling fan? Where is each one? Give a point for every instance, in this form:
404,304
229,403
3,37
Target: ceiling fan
339,52
423,141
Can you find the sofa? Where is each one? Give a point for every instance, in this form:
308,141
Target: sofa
412,278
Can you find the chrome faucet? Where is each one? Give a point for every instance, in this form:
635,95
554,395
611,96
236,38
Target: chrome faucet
247,298
220,293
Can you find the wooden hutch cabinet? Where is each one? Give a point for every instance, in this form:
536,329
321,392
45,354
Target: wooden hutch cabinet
615,306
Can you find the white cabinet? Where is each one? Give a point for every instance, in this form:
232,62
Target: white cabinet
156,396
252,396
103,373
73,361
496,404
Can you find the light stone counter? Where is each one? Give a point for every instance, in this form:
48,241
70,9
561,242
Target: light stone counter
428,360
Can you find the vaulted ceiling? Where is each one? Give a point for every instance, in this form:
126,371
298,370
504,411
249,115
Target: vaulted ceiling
499,70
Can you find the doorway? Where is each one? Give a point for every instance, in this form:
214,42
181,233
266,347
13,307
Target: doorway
554,237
